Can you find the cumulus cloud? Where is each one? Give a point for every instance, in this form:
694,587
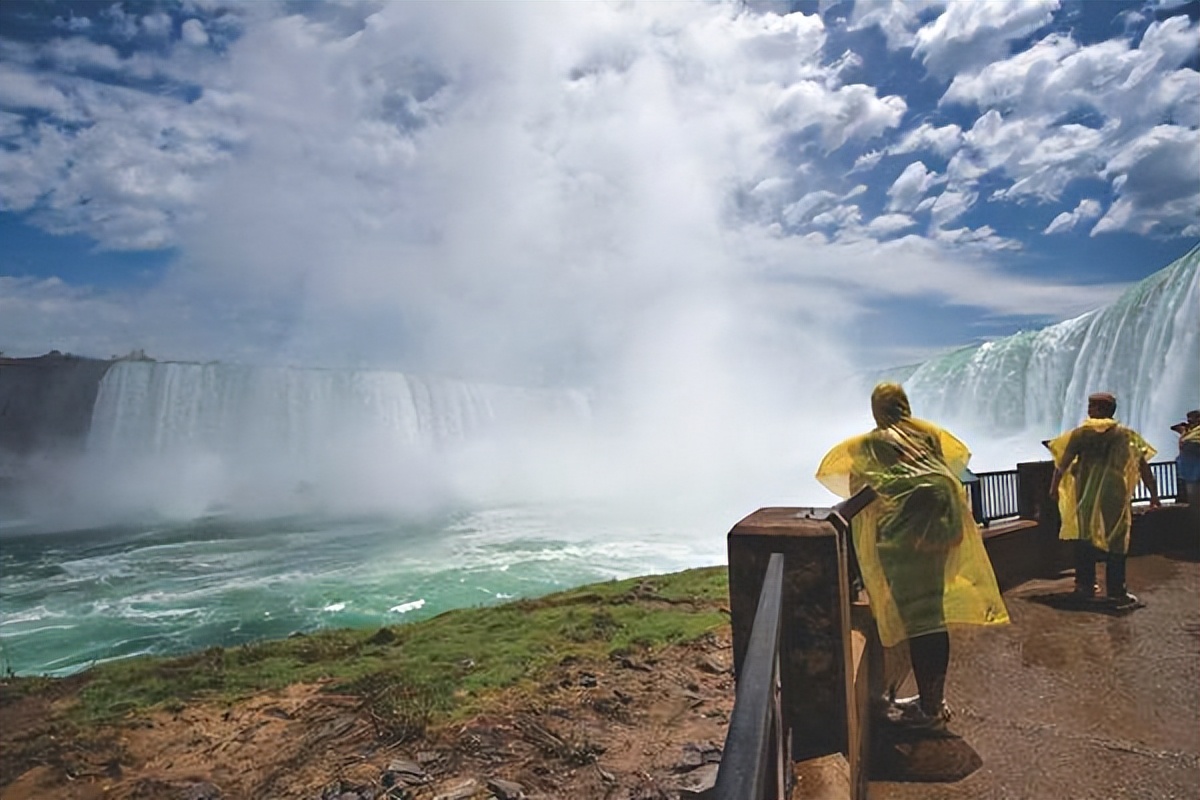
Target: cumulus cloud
1157,178
887,225
841,114
157,25
1086,211
898,20
192,31
1057,76
952,37
951,205
867,161
912,185
1144,103
970,35
943,140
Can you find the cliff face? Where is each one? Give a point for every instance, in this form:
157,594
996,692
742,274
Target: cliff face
46,402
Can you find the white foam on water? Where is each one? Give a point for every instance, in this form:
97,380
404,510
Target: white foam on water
37,630
404,608
35,614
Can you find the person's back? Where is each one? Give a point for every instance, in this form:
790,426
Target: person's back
919,492
1097,467
921,555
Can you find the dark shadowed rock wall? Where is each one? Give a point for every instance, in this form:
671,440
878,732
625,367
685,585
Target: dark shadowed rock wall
46,402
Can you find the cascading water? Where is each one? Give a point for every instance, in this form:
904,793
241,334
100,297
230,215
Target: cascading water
147,407
186,439
1145,347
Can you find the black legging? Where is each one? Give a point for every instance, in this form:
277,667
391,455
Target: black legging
917,583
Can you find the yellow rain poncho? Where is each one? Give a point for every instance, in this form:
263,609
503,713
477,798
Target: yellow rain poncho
1100,462
919,550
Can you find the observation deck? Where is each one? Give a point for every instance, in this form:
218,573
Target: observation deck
1078,704
1074,699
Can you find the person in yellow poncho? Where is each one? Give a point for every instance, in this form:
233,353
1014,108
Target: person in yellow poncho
921,555
1096,469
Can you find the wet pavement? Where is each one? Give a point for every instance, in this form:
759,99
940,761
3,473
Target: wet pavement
1080,704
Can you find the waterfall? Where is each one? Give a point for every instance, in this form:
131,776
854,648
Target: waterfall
148,408
182,440
1144,347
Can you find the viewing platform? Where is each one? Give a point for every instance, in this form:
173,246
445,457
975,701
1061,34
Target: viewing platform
1071,700
1078,704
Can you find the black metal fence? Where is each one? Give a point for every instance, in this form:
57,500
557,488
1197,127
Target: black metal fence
755,762
1165,477
994,494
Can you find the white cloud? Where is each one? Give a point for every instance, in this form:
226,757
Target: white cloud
953,37
1157,178
37,315
21,90
899,20
73,23
912,185
984,238
157,25
887,225
1087,210
121,24
1119,82
77,52
846,112
867,161
1025,136
803,210
951,205
839,217
192,31
957,267
969,35
944,140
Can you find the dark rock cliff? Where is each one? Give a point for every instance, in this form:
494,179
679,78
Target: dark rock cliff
46,402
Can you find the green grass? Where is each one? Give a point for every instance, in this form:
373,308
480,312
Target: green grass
412,675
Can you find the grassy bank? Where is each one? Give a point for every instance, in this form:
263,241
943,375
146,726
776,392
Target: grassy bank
413,675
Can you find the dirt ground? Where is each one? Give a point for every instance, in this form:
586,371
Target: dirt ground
625,730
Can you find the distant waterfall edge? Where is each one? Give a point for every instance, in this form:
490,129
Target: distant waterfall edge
1144,347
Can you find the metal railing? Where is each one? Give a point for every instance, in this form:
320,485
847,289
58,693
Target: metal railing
1164,476
754,764
994,496
756,760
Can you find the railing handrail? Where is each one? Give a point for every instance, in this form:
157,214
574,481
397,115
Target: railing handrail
756,761
987,507
754,725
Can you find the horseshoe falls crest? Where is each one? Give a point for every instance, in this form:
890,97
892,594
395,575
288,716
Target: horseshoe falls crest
1144,347
376,438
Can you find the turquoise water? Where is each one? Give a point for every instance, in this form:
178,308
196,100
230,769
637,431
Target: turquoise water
69,599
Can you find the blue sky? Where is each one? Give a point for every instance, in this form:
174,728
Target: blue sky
564,192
